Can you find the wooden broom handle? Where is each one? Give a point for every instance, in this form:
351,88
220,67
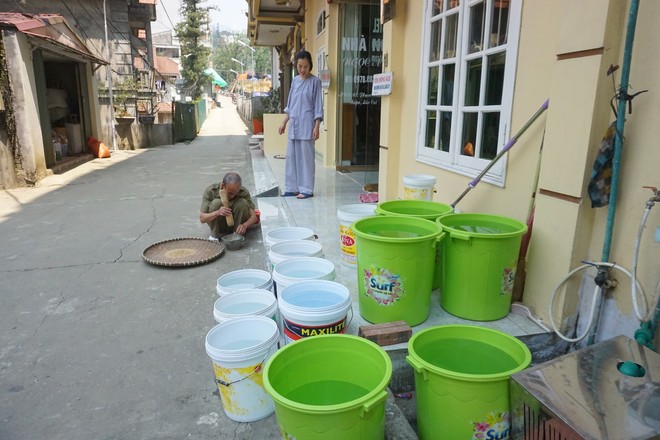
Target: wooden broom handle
225,203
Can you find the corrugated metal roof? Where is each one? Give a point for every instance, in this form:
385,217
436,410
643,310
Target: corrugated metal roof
52,31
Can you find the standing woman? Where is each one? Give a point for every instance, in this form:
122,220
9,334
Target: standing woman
305,111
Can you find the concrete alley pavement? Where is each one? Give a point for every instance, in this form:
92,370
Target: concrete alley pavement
94,342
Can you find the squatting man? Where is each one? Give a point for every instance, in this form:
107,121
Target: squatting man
214,214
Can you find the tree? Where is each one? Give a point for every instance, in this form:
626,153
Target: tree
191,31
226,47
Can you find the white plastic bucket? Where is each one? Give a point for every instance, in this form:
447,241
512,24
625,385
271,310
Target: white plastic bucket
243,279
299,269
313,307
348,214
285,250
418,187
251,302
238,349
287,234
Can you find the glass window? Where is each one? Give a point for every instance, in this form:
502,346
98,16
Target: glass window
467,81
320,23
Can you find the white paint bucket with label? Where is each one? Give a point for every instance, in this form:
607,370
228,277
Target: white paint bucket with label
285,250
348,214
299,269
314,307
251,302
238,349
287,234
243,279
418,187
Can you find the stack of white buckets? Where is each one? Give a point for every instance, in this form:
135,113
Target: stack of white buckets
258,311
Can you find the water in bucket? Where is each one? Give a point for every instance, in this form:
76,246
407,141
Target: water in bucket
285,250
396,258
243,279
479,261
420,209
462,381
299,269
345,396
312,308
250,302
288,233
238,349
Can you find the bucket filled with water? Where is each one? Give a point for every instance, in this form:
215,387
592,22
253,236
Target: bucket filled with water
238,350
420,209
243,279
250,302
462,381
329,387
288,233
479,260
312,308
298,269
285,250
347,215
396,257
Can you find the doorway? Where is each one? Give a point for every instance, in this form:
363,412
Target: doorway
360,57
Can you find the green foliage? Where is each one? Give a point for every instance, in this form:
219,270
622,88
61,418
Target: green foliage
194,56
123,93
271,103
226,47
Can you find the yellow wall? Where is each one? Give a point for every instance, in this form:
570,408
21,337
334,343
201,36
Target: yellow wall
566,228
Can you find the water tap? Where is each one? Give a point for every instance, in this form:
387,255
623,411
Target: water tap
602,278
656,195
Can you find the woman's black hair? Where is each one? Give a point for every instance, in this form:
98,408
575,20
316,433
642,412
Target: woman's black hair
304,55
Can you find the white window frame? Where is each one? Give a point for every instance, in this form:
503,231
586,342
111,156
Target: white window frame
321,60
453,160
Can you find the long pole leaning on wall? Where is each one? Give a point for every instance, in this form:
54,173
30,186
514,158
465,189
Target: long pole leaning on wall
109,77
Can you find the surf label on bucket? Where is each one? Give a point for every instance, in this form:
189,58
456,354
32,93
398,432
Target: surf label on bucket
495,426
508,280
382,285
294,331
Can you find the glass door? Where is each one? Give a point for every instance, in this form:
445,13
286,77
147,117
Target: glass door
361,37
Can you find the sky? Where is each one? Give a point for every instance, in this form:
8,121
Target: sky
230,15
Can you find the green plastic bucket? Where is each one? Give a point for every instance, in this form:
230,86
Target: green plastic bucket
420,209
329,387
395,258
462,381
479,260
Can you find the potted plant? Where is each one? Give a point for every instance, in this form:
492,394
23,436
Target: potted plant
146,112
257,119
123,93
267,104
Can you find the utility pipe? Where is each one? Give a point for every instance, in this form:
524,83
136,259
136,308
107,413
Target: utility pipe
618,140
113,143
620,123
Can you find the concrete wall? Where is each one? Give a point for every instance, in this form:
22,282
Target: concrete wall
25,108
274,142
135,136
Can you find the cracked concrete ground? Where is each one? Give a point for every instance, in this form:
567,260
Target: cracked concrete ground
94,342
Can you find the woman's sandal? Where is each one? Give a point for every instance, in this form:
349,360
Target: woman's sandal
304,196
289,194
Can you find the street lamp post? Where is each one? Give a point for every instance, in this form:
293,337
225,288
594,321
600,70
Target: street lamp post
251,55
243,68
